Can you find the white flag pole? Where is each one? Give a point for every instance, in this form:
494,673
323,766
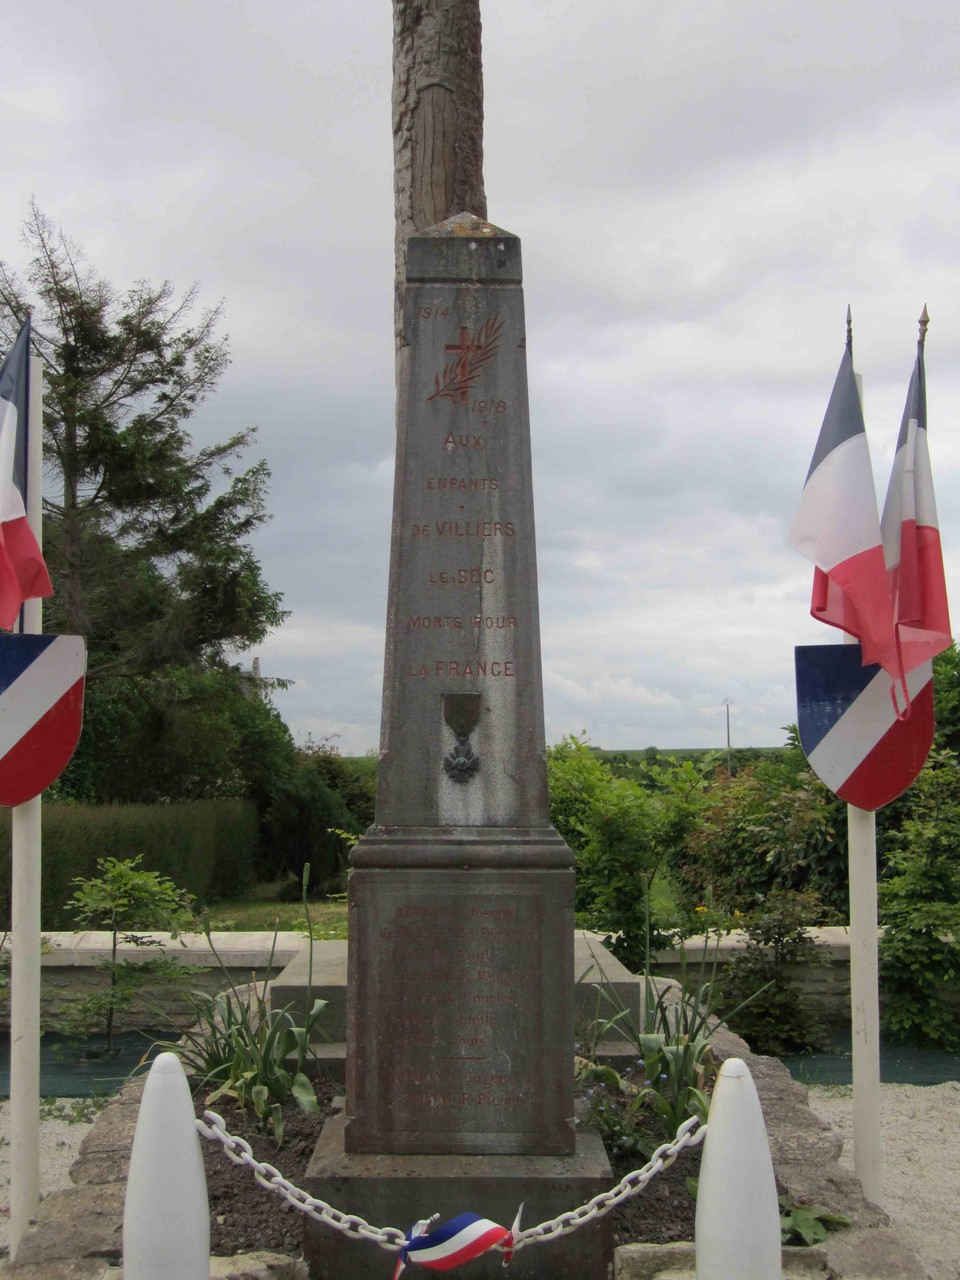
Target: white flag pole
865,1000
25,910
864,990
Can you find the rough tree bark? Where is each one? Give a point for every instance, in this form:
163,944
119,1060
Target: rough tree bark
437,118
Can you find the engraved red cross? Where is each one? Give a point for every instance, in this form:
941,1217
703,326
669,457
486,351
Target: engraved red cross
467,346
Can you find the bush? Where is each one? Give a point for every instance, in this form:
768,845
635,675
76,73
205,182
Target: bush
622,833
208,847
920,911
767,1006
774,826
125,900
301,830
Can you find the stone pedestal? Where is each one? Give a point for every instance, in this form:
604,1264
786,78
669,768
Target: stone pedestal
394,1190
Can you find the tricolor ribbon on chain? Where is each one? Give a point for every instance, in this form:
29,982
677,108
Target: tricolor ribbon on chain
450,1244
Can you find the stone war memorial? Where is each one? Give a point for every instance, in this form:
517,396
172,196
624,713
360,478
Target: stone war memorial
460,976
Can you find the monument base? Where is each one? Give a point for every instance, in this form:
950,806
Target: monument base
460,1011
399,1190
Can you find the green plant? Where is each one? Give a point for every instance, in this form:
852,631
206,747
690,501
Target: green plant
247,1050
72,1110
124,900
776,1018
672,1040
920,911
807,1224
623,833
773,825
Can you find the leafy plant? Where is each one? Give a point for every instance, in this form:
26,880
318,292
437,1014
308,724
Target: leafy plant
677,1063
772,826
807,1224
124,900
249,1051
623,832
920,911
776,1018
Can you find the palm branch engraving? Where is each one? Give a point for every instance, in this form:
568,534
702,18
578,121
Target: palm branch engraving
473,354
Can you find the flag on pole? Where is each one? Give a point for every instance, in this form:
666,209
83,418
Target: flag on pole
911,533
23,574
838,528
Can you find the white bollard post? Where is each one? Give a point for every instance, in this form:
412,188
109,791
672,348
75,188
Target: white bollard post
166,1216
738,1216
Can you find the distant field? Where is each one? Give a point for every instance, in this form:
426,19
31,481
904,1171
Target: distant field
689,753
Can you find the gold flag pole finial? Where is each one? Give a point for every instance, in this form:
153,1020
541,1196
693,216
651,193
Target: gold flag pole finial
924,321
849,329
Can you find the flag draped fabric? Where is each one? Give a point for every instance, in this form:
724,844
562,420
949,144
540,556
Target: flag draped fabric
23,574
838,528
446,1245
911,537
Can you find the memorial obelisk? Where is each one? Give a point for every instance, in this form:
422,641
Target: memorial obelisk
461,895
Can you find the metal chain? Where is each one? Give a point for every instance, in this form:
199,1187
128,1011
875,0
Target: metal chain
630,1185
392,1239
240,1152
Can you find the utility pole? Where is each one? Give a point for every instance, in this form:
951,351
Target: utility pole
727,702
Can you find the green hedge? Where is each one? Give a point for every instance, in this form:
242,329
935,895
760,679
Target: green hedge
207,847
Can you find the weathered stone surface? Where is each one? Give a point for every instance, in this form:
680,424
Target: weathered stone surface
115,1130
462,1021
461,894
60,1269
872,1255
258,1266
678,1262
397,1190
289,988
82,1222
462,660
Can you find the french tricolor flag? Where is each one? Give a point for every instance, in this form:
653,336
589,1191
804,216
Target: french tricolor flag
23,574
838,528
911,534
450,1244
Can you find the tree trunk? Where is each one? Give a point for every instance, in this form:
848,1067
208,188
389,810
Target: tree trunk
437,119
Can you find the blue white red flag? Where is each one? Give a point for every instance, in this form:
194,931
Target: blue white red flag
23,574
450,1244
838,528
911,534
41,711
849,728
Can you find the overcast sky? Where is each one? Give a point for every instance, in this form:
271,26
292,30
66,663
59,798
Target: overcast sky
700,190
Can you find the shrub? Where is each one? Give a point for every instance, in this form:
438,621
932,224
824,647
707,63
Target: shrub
302,827
622,833
920,911
772,827
207,846
766,1005
125,900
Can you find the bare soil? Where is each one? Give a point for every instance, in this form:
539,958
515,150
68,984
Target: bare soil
244,1216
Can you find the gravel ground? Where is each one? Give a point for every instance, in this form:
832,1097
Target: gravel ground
63,1123
921,1163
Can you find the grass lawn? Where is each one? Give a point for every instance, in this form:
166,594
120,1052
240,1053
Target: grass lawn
262,911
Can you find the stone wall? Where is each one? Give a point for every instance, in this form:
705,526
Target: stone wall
826,985
70,968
